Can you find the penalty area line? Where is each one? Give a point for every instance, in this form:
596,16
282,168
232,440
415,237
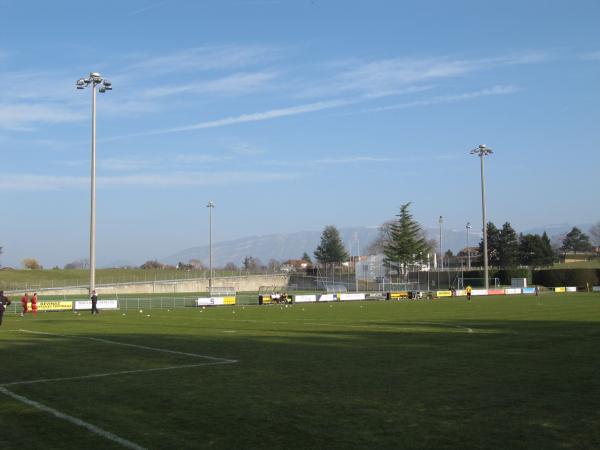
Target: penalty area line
110,374
73,420
125,344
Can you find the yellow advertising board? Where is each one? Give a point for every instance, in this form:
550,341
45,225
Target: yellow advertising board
55,306
443,294
399,294
560,289
229,300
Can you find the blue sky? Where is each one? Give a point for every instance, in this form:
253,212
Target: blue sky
290,115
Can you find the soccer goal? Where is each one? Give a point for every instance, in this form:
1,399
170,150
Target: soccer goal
476,282
335,288
222,291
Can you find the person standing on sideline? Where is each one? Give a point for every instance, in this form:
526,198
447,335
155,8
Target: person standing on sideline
469,290
24,302
94,299
34,304
4,302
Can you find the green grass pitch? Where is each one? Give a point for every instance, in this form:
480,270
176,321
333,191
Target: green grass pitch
499,373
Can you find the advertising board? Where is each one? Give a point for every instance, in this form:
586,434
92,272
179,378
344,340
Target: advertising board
305,298
80,305
443,293
55,306
512,291
215,301
354,296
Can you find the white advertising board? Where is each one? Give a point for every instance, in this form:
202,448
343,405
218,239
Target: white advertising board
81,305
512,291
215,301
305,298
328,298
529,290
347,297
572,289
596,289
479,292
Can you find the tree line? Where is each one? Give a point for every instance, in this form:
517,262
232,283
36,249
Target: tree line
403,243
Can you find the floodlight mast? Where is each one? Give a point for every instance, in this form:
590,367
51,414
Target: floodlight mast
482,151
210,207
468,249
94,80
441,221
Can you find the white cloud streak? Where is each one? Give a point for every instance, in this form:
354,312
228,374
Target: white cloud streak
385,77
252,117
234,84
23,116
593,56
202,59
495,90
173,180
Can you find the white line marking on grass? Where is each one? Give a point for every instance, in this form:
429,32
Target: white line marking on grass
74,420
106,341
108,374
391,325
453,325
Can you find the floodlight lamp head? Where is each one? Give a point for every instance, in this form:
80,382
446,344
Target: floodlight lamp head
106,83
102,89
210,205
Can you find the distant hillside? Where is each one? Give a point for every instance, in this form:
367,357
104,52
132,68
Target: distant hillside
291,246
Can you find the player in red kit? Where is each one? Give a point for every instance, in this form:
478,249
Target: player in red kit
24,301
34,304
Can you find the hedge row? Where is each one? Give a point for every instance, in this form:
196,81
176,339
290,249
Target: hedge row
504,275
567,277
581,278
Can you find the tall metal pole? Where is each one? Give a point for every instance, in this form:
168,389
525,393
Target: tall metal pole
441,220
210,207
482,151
356,263
93,197
468,249
93,81
484,218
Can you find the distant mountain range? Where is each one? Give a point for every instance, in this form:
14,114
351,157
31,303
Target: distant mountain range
282,247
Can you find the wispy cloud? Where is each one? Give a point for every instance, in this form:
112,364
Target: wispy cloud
200,159
252,117
342,160
21,182
202,59
495,90
389,76
593,56
23,116
234,84
148,8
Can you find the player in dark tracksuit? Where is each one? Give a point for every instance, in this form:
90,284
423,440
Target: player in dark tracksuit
94,299
4,302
